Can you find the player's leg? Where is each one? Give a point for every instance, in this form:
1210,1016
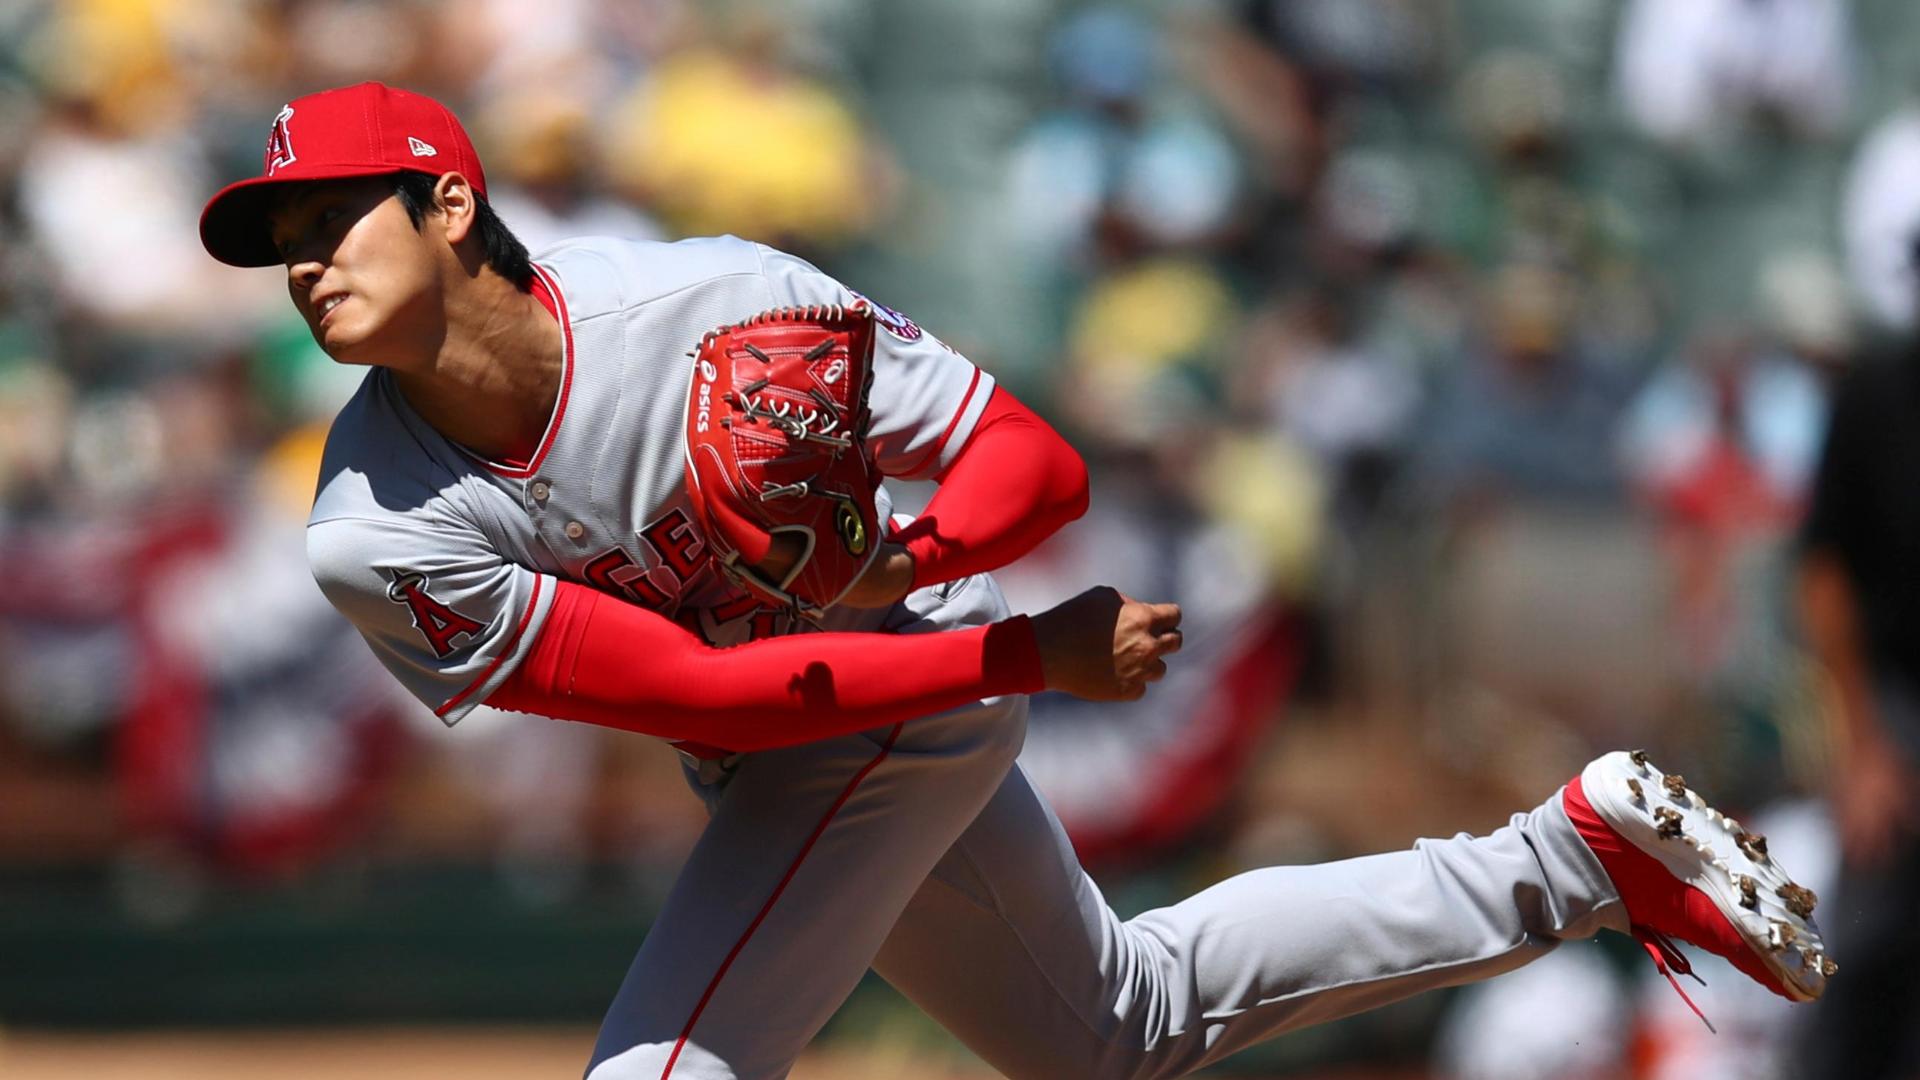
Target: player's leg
805,865
1012,948
809,857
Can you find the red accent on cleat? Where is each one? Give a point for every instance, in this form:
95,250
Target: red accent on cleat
1658,901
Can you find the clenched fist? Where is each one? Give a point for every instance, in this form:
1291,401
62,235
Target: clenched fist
1103,646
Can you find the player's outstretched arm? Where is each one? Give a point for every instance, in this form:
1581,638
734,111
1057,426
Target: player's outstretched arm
602,661
1013,484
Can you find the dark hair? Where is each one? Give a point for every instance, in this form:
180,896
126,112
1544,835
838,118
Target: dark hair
504,251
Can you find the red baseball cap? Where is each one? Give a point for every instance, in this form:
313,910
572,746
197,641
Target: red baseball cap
364,130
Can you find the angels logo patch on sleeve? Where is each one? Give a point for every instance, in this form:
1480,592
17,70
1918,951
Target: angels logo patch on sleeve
437,622
892,321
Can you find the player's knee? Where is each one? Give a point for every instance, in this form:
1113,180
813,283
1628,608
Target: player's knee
1006,728
972,748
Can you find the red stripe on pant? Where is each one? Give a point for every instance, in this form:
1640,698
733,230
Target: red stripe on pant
765,909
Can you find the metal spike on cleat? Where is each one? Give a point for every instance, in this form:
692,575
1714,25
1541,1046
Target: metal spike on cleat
1749,891
1800,899
1676,786
1666,822
1829,968
1780,935
1752,845
1633,785
1639,757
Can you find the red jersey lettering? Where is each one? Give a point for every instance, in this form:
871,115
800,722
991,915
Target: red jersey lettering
614,572
678,543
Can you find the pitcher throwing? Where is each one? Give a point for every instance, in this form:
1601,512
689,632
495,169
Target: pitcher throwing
542,500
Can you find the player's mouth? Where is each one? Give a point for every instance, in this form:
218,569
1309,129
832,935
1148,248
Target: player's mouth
326,306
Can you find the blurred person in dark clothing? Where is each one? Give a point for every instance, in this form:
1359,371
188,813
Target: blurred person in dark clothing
1529,415
1860,606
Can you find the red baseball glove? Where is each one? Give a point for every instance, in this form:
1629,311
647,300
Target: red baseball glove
776,469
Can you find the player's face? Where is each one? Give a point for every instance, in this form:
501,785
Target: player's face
358,271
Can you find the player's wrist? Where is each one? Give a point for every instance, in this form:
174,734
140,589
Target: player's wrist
922,548
1057,649
904,569
885,582
1013,656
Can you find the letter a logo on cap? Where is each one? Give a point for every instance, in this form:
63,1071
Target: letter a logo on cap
280,142
420,149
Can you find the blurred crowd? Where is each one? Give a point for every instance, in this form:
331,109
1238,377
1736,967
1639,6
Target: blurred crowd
1462,367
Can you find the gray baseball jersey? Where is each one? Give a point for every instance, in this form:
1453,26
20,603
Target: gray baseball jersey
920,850
446,562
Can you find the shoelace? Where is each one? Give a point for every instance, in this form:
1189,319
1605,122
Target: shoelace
1669,959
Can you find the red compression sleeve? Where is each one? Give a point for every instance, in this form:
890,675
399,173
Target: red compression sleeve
603,661
1013,484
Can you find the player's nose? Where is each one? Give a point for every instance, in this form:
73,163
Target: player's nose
304,274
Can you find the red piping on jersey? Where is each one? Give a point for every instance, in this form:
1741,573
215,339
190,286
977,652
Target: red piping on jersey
767,908
526,618
544,294
941,444
522,472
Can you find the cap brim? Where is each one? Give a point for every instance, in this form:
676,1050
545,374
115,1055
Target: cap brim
233,227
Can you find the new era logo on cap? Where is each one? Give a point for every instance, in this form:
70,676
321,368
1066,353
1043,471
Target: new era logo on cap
420,149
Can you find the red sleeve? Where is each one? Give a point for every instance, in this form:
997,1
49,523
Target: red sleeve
602,661
1014,483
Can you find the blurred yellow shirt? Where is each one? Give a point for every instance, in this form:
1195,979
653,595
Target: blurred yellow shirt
717,146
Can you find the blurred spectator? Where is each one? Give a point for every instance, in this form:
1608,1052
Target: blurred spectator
335,42
1686,70
1722,446
1342,398
1861,612
1286,75
730,137
1145,343
549,185
261,737
138,272
1117,170
1530,412
1880,216
35,405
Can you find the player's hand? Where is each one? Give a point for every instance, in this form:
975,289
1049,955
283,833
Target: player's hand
887,579
1103,646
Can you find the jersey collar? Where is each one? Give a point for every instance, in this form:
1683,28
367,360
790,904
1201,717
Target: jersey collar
556,301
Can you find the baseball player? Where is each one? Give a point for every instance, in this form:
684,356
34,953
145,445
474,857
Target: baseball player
509,513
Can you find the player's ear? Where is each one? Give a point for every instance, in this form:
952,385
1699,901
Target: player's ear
454,197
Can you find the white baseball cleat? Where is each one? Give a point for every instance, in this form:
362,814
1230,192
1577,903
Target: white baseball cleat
1688,872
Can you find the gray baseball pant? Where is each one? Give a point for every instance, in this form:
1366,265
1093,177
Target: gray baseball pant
923,852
